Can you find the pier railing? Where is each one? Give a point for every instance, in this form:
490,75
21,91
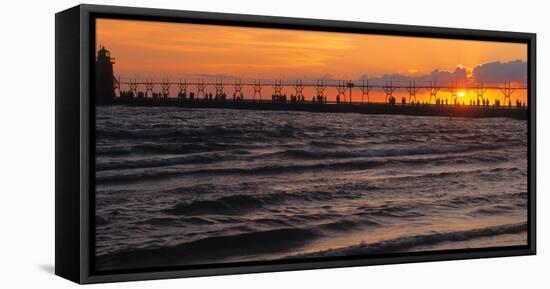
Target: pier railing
438,93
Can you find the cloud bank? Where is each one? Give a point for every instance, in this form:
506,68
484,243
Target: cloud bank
515,71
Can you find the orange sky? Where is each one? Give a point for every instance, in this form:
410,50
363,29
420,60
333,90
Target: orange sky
172,50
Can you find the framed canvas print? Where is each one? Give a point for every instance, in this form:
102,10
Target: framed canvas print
192,144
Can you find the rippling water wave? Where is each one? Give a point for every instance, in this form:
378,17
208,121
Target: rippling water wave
194,186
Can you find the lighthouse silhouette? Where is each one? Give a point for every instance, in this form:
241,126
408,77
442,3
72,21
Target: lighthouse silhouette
104,77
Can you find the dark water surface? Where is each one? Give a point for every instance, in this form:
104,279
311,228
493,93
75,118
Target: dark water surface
182,186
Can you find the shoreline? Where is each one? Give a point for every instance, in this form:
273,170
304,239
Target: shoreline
421,242
226,249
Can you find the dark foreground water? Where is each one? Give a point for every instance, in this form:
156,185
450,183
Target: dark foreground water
195,186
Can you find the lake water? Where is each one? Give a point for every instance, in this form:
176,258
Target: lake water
180,186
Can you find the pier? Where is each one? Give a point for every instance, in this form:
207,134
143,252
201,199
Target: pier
442,97
195,95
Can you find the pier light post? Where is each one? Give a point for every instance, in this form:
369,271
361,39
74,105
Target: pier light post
365,89
200,89
238,94
320,89
149,87
433,89
389,89
165,88
507,91
116,85
341,88
479,91
454,91
257,90
278,88
350,85
412,89
133,86
299,87
219,89
183,89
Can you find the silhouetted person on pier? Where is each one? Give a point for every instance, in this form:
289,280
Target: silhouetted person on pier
338,99
127,95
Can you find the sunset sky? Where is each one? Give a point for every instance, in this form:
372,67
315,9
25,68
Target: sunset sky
145,49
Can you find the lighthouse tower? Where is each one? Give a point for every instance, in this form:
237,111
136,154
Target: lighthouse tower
104,86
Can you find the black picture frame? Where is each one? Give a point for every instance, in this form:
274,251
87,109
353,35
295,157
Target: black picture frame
74,136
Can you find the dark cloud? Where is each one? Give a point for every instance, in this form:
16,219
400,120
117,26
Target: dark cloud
459,74
394,77
446,76
515,71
